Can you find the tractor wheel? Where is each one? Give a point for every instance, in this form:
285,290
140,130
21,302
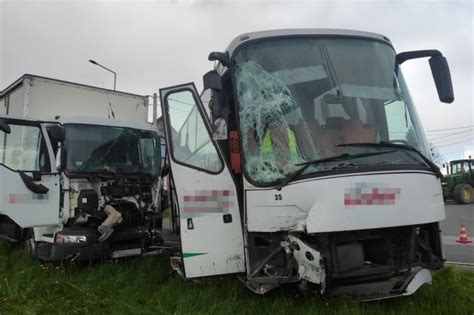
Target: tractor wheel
463,193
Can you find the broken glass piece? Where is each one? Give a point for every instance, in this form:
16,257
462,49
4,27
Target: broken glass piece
269,144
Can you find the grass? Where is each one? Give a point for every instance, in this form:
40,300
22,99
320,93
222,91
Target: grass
143,286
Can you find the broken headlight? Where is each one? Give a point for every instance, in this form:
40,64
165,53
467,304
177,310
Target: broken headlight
70,239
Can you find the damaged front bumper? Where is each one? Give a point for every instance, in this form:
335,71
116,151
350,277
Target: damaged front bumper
366,264
390,288
82,244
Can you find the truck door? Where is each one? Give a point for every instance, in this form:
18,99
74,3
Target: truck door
29,190
210,224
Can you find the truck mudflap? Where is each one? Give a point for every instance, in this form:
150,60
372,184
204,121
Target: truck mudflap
82,244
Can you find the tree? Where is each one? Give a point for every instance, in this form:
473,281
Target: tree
437,157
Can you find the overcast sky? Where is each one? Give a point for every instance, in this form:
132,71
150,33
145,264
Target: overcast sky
153,44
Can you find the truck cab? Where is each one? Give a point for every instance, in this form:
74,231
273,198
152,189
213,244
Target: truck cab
309,167
80,170
80,188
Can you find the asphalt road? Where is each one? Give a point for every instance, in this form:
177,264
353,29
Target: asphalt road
455,216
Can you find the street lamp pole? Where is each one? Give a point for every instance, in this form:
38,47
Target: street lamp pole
115,74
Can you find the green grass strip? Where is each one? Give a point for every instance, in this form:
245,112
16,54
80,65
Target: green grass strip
144,286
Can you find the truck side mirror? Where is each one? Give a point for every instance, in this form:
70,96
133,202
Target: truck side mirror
165,170
57,133
61,159
5,127
439,70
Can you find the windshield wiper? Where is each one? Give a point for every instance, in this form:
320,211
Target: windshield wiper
384,144
341,157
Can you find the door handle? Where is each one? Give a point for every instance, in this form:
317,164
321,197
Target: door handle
190,224
227,218
31,185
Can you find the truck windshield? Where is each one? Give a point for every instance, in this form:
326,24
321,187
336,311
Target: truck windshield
105,149
298,98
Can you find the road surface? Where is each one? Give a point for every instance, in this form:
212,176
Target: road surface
455,216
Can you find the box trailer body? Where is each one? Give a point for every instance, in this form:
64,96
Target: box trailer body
80,170
312,169
31,97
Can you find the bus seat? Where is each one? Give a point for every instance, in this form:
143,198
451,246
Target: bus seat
339,130
358,132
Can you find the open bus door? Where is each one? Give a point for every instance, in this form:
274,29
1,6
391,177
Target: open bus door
210,222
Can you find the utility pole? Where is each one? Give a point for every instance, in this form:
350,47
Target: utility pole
155,108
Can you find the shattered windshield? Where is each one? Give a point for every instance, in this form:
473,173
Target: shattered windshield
299,98
96,149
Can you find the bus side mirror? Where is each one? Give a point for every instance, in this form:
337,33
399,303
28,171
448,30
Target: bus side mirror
442,77
5,127
439,70
212,80
223,58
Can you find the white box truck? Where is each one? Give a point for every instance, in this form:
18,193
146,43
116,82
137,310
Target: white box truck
80,170
313,169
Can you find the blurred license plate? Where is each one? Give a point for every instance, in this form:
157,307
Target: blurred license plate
126,252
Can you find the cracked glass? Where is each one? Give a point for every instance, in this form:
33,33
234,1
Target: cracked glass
298,98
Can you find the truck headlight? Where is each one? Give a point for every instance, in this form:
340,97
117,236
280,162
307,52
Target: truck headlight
70,239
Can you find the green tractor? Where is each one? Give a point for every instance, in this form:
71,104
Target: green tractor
459,182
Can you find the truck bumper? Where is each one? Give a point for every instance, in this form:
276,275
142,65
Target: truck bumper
122,243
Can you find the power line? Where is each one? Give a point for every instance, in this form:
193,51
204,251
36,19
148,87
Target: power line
443,141
456,128
447,132
446,145
451,134
453,152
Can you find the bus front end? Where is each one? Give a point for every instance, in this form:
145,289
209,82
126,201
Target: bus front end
339,192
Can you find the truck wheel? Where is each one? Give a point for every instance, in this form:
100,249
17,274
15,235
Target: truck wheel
29,243
463,193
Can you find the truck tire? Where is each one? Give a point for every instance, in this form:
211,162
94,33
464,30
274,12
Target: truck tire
29,244
463,193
